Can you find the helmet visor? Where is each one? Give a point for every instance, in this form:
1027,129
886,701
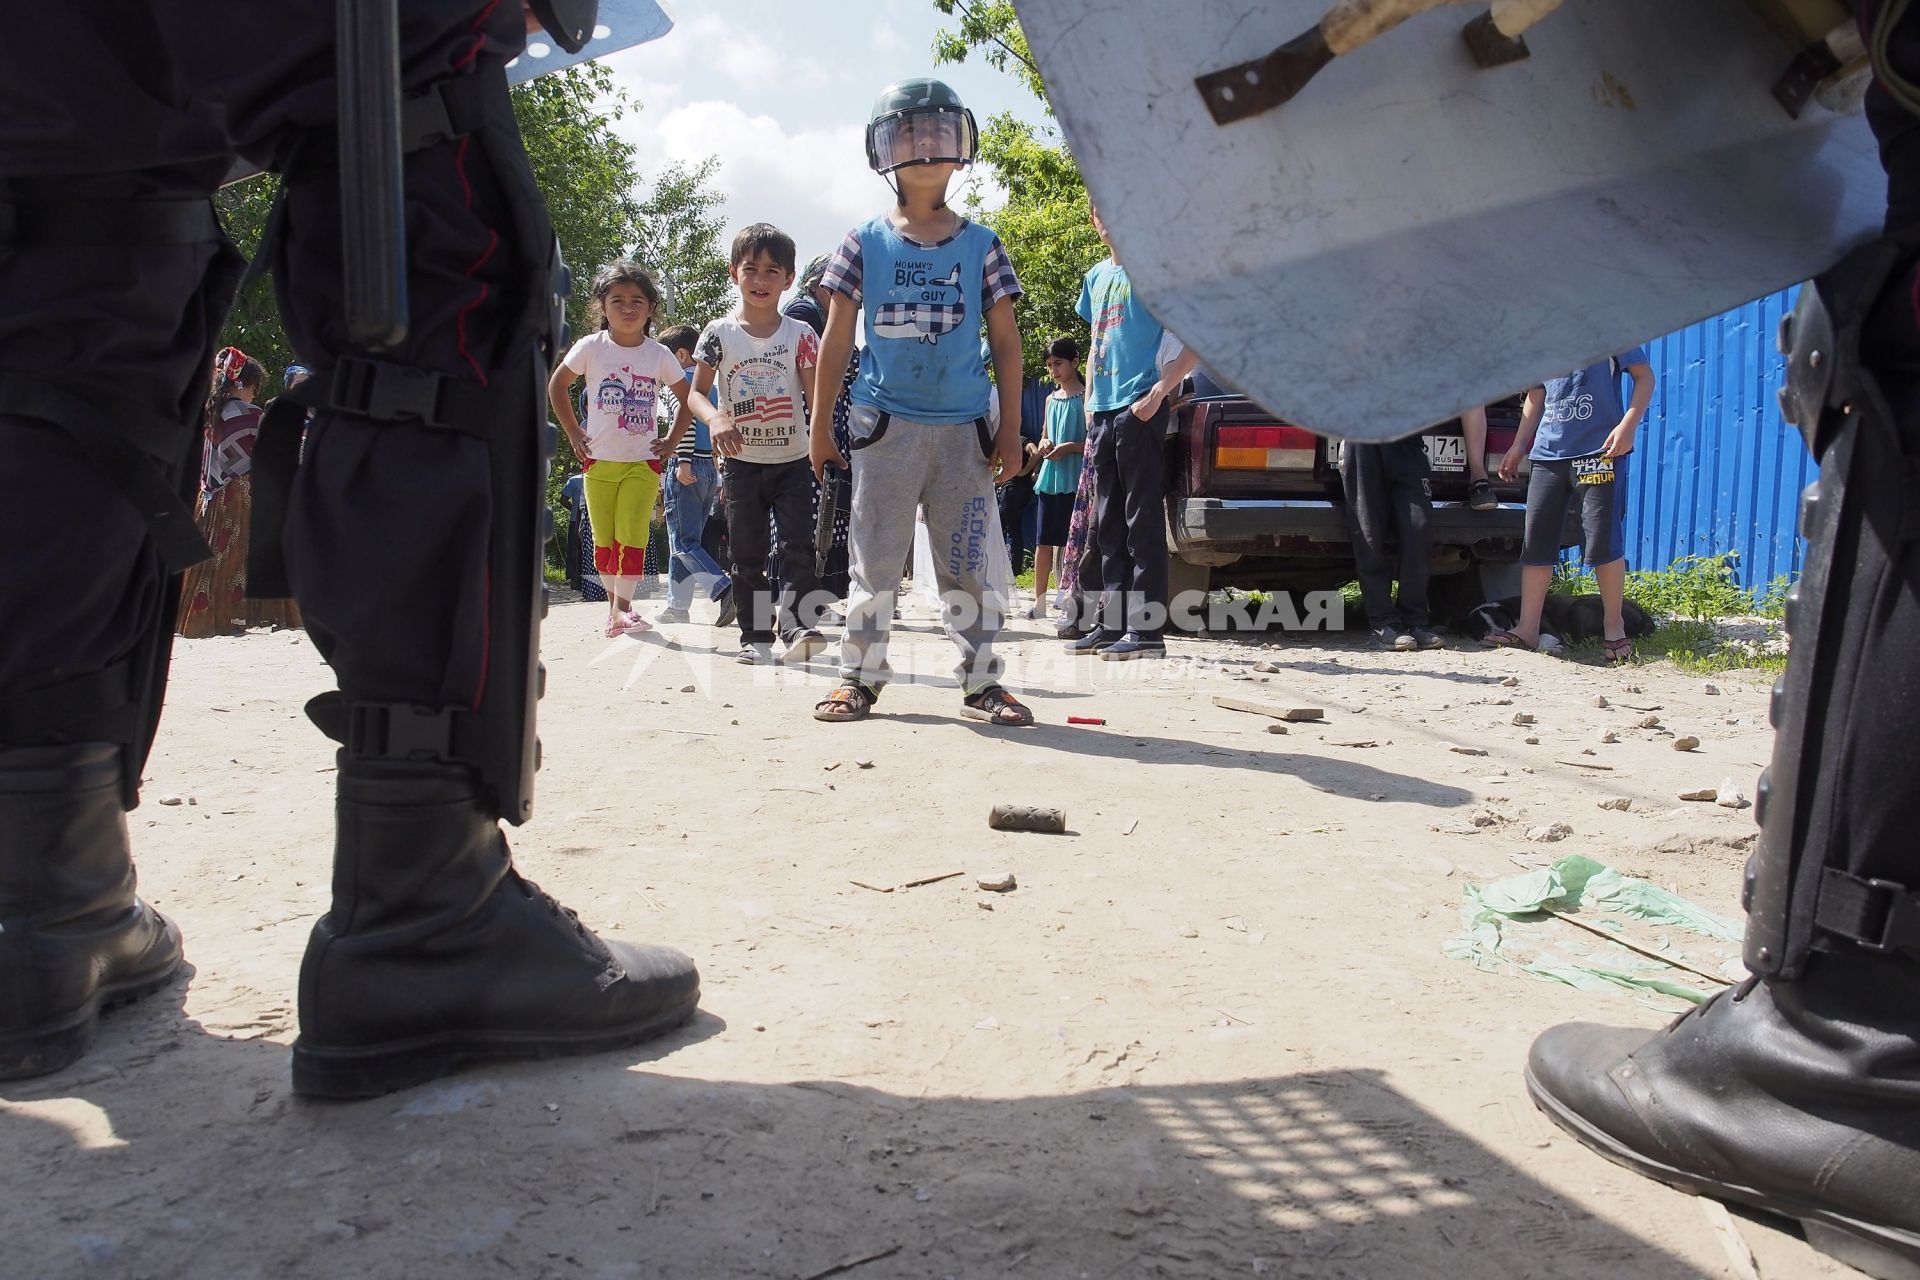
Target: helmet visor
924,135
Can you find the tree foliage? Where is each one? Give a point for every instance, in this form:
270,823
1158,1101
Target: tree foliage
991,28
680,243
1044,221
583,167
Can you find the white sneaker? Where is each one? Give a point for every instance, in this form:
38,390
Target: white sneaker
802,645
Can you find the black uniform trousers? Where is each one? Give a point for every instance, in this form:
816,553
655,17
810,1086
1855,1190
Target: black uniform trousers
387,532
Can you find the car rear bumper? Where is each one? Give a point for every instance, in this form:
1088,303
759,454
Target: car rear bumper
1306,526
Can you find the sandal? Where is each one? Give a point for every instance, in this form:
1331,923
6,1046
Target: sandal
1506,640
1480,495
1617,651
996,706
848,700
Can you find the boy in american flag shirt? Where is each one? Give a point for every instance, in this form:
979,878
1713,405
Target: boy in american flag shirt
762,363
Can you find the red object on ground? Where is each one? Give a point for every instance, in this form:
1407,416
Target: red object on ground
1085,720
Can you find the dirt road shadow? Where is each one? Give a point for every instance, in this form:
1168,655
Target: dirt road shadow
195,1162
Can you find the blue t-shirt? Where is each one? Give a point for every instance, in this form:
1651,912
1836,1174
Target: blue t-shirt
922,307
1582,408
1066,424
1126,339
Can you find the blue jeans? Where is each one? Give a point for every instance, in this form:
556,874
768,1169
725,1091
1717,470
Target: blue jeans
686,519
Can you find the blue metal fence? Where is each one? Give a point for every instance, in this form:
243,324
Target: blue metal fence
1715,468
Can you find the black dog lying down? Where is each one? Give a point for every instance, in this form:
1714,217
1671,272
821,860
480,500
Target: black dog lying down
1572,618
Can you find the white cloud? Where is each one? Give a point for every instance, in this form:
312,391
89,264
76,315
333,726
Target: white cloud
812,183
739,54
780,93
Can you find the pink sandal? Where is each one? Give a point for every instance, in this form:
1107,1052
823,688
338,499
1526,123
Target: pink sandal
1616,651
632,624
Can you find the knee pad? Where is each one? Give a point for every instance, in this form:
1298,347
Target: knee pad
495,736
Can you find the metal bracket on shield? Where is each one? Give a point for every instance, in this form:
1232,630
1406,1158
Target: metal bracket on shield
1250,88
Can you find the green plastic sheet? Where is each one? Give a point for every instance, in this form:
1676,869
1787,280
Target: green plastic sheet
1580,884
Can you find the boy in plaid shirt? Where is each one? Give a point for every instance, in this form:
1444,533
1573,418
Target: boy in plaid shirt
920,277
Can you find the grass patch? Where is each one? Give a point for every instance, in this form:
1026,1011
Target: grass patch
1692,645
1692,588
1689,596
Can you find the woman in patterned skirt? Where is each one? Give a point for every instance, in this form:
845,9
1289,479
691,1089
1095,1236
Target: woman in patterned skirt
213,595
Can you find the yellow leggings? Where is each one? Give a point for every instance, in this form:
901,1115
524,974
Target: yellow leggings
620,499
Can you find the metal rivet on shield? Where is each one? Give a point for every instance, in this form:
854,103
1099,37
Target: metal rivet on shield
1815,359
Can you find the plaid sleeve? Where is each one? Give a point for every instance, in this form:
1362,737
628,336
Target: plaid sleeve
999,281
843,269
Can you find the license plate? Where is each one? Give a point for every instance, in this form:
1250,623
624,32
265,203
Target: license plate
1447,453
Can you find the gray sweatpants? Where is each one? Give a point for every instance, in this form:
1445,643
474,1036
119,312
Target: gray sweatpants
899,467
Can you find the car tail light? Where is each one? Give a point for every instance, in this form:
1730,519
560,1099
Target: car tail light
1263,448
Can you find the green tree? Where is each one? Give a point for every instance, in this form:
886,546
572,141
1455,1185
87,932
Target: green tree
1044,221
583,168
993,29
254,326
679,241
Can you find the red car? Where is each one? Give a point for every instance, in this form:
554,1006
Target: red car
1255,502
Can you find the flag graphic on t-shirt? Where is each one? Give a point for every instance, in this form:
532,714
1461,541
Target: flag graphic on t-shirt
761,395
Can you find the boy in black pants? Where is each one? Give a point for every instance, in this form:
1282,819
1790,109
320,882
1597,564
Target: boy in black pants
1389,500
763,363
1127,445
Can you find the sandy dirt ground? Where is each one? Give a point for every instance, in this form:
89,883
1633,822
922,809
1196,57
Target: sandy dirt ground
1212,1032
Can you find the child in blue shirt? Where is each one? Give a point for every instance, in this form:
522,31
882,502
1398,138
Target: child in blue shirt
1062,447
1579,436
1126,444
920,278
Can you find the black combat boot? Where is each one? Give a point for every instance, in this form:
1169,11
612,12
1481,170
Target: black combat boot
1798,1093
436,954
74,938
1798,1098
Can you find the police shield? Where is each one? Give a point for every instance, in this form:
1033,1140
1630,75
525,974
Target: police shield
1425,224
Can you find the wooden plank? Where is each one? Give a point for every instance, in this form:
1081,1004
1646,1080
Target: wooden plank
1295,714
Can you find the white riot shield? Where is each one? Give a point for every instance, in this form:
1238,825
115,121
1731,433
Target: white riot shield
621,25
1412,234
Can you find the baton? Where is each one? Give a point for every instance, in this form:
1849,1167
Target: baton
829,507
373,229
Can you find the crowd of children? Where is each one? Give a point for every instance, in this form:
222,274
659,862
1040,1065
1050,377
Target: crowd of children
925,435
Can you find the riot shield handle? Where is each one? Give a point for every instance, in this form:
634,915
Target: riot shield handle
373,230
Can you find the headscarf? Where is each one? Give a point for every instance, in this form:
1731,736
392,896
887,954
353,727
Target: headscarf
226,369
816,272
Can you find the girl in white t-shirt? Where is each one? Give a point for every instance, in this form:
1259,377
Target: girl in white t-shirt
619,447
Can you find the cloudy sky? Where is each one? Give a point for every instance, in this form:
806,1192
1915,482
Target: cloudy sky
780,91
